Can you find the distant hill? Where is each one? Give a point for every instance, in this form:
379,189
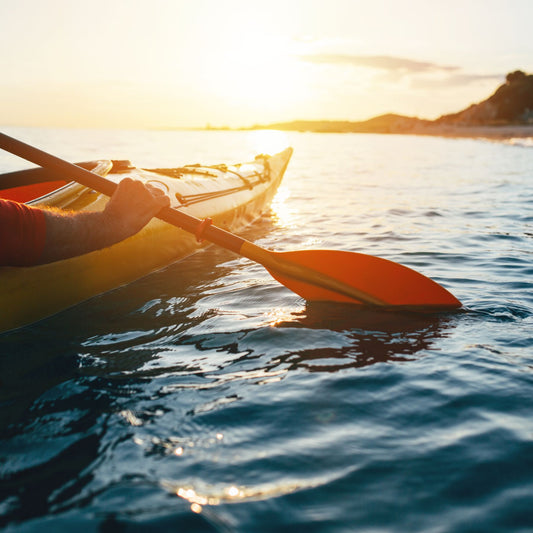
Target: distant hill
389,123
511,104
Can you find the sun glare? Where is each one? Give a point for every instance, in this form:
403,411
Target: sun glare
257,75
268,141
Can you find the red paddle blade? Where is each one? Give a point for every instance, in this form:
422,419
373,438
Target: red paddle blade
394,284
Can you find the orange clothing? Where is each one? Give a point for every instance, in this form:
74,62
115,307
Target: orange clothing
22,234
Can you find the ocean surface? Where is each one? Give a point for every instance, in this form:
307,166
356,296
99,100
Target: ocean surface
209,398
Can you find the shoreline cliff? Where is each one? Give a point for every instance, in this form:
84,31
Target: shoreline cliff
507,113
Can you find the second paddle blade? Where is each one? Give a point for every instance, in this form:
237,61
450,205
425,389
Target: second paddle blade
390,282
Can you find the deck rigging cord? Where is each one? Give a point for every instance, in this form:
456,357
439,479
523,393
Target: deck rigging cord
190,199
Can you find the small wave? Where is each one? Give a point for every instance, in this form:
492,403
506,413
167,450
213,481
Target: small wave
200,493
499,312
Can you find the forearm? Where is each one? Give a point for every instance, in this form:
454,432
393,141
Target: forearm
131,207
71,234
30,235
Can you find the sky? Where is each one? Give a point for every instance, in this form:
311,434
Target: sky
238,63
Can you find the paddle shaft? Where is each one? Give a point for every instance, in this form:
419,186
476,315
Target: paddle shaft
270,260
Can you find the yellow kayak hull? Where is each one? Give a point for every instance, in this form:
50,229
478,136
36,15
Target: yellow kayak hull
231,196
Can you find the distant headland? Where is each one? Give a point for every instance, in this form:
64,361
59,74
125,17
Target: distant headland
507,113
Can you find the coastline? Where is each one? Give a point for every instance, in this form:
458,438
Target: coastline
406,126
474,132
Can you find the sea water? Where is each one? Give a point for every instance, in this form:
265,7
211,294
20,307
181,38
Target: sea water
207,397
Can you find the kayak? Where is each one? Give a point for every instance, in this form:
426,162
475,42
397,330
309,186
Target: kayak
232,196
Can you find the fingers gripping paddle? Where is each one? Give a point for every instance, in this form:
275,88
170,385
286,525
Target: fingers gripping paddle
313,274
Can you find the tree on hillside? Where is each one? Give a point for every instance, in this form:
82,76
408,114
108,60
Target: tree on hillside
514,99
516,76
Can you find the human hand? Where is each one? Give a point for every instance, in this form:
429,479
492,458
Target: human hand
133,205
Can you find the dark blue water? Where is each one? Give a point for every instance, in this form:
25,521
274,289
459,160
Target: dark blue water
207,397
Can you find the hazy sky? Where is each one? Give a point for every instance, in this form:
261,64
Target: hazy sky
172,63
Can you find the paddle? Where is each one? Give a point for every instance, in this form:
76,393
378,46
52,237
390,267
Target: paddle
326,275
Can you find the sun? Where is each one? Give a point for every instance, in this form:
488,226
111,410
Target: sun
256,75
267,141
